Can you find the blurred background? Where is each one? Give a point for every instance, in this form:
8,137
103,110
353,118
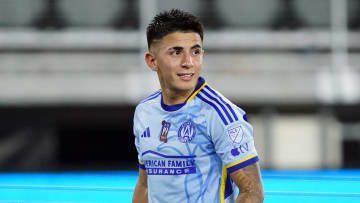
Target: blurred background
72,72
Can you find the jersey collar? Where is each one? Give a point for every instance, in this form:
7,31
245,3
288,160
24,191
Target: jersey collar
201,84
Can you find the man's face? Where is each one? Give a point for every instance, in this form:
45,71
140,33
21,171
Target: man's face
177,58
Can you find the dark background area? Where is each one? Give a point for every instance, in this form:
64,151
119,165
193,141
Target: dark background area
90,138
60,138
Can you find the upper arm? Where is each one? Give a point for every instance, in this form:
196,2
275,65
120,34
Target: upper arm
234,143
248,179
138,129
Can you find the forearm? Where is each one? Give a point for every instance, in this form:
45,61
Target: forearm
141,189
252,192
249,182
140,194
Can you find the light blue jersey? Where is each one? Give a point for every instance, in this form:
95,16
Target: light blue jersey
188,150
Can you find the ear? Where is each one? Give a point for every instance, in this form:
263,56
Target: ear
150,61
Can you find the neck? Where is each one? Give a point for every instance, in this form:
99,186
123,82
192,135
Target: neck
171,97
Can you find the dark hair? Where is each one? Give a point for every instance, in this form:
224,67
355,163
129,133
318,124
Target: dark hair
174,20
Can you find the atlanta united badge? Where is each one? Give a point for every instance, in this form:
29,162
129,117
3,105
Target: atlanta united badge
187,132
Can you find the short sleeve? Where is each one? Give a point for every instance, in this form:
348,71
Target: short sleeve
137,138
234,142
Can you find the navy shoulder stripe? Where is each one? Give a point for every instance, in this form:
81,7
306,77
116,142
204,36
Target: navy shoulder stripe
224,102
228,112
220,104
215,107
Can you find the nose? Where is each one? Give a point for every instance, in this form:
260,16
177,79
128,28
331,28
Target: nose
187,61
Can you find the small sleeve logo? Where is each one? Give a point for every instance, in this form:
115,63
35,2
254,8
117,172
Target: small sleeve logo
236,134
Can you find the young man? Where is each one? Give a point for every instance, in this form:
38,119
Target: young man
193,144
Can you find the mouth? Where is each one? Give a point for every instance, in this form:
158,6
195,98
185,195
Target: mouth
186,76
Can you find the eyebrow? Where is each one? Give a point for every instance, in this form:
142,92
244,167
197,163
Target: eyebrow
178,48
196,46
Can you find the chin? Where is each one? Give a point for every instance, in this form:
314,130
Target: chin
189,86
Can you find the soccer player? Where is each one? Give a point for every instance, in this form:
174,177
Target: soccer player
193,144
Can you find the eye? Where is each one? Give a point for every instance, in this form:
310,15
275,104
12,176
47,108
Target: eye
175,52
197,51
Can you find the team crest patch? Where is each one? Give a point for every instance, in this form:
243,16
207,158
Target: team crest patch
236,134
164,131
187,132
